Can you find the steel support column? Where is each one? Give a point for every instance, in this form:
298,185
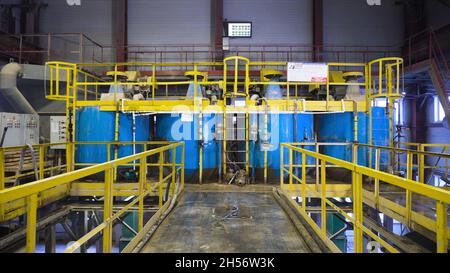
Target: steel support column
317,29
50,239
217,29
120,30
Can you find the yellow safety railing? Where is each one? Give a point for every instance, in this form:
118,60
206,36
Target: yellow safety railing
413,160
62,160
10,160
60,76
80,79
59,150
30,192
439,150
359,193
384,77
63,78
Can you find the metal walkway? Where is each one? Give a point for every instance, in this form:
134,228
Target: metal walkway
206,220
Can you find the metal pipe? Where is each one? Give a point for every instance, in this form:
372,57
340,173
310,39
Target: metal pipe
9,91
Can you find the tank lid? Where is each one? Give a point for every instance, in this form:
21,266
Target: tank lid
200,75
267,73
352,74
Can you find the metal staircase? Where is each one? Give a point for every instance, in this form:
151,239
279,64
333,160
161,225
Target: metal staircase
425,55
439,73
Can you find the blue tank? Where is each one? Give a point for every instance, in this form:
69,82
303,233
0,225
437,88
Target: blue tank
170,127
380,134
339,127
273,91
281,130
95,125
191,89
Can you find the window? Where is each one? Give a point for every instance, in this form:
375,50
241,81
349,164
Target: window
380,102
399,115
438,110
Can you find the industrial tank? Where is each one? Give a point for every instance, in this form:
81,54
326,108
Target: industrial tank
184,127
93,125
339,127
281,129
380,135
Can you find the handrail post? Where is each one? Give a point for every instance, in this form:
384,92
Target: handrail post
160,181
107,210
304,181
290,170
31,223
446,163
357,211
174,169
69,157
421,164
317,167
282,164
377,180
323,196
182,165
441,227
2,179
408,192
142,182
2,169
41,161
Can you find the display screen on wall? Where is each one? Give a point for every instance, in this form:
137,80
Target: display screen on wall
240,29
307,72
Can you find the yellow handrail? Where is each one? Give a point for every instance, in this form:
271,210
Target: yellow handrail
442,197
31,191
94,81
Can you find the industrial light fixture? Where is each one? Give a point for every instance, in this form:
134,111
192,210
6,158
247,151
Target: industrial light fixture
239,29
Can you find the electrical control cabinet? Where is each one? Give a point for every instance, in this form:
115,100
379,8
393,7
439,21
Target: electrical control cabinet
31,129
19,129
58,131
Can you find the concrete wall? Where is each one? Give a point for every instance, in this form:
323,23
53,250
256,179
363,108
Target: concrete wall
437,13
274,22
160,22
93,18
350,22
188,22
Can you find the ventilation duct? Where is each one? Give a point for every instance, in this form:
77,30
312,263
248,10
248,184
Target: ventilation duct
11,99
